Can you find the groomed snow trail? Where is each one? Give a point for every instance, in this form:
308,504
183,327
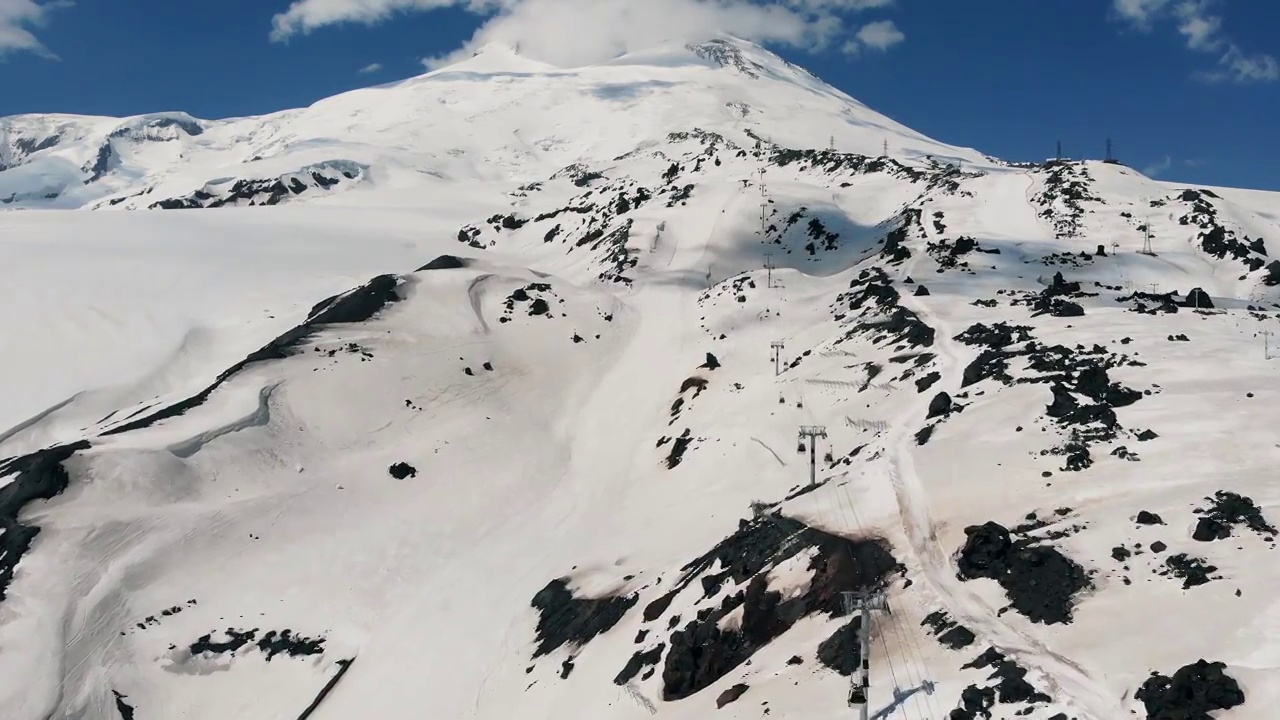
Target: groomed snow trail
1066,680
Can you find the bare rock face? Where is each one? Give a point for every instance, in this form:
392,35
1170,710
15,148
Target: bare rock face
731,695
1192,692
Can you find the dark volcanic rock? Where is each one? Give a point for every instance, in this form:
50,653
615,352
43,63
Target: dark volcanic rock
445,262
940,405
122,707
567,620
1229,509
1192,692
921,291
949,633
402,470
36,476
701,652
1148,518
711,364
1040,581
678,447
272,643
841,652
731,695
1012,686
1208,530
1198,298
926,382
1192,571
639,661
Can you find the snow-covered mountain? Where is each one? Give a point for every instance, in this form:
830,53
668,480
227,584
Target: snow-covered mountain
549,472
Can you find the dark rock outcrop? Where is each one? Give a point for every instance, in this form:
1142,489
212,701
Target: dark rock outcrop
1040,581
564,619
1191,694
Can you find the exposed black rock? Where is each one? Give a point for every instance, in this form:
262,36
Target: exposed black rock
36,476
701,652
1012,686
272,643
446,262
841,652
1215,238
1191,694
949,633
402,470
639,661
354,306
997,336
921,291
883,318
124,708
1228,509
678,447
1039,580
711,364
1208,530
564,619
1148,518
940,406
286,642
255,191
926,382
975,702
950,255
1198,298
1191,570
731,695
1066,187
343,667
924,434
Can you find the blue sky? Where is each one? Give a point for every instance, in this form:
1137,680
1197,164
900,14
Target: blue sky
1187,89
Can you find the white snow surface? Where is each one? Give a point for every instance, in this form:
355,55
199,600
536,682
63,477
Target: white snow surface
540,440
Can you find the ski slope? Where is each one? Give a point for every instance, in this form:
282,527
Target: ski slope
492,427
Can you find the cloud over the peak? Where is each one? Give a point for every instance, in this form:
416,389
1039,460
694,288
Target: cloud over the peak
16,19
1202,30
555,31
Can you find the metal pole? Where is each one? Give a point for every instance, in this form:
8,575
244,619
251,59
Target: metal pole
864,647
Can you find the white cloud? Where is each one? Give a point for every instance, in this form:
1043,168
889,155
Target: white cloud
1155,169
580,32
303,16
1249,68
880,35
1140,12
1202,31
371,68
16,17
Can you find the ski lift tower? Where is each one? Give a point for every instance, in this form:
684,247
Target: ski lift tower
812,432
860,684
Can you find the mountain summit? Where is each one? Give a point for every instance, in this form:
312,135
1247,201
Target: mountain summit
457,122
510,391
